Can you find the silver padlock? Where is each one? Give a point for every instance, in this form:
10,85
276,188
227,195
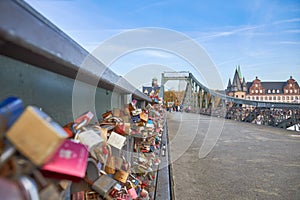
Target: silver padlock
47,191
102,185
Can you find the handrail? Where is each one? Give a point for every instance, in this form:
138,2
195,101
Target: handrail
27,36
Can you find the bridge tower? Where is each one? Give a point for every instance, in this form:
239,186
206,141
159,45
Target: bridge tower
196,96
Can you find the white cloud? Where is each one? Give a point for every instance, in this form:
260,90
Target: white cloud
289,42
287,21
234,31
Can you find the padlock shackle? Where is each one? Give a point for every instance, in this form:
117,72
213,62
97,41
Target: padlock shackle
80,125
7,154
88,181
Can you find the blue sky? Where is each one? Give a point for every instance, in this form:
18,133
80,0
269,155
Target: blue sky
263,37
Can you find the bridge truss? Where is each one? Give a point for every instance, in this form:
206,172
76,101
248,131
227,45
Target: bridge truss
200,99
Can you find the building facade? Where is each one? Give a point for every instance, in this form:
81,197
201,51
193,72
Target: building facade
284,91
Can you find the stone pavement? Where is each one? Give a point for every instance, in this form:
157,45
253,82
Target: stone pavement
248,161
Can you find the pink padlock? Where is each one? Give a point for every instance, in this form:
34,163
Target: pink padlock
131,190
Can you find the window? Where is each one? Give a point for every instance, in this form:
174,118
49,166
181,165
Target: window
260,91
279,98
270,98
274,98
266,98
256,91
252,91
273,91
291,85
249,98
283,98
253,98
292,98
286,91
287,98
295,91
269,91
256,85
242,96
277,91
291,91
261,98
237,96
257,98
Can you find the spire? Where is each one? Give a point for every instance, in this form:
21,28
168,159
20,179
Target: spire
236,82
244,85
229,84
244,82
239,72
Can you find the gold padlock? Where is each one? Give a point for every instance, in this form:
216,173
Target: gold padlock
36,135
110,162
121,176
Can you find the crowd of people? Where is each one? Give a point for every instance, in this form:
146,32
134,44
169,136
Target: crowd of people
262,116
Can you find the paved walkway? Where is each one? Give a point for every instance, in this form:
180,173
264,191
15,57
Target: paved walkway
248,161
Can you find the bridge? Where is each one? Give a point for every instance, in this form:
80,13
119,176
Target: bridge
203,100
247,162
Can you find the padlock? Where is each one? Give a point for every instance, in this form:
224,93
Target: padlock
92,195
36,135
121,176
110,167
131,106
131,190
136,112
91,139
78,195
47,191
69,128
77,189
103,185
123,128
86,117
116,140
118,162
144,117
123,171
100,155
92,170
10,110
69,162
107,115
117,112
116,189
144,193
123,195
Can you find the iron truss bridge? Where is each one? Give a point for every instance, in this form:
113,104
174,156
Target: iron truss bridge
198,95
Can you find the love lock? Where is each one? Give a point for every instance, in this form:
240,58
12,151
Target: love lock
41,140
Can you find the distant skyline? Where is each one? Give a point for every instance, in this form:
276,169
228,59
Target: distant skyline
263,37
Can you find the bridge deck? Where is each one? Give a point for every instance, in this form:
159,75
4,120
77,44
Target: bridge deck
248,161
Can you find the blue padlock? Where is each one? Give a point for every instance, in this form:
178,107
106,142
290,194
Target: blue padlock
10,109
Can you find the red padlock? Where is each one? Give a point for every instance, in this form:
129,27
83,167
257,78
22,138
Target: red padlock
88,116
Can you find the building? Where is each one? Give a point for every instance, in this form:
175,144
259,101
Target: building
152,91
238,87
278,91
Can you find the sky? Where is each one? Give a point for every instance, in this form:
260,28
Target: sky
263,37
